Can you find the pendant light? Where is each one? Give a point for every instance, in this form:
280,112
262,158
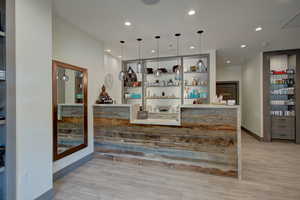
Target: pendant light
200,38
157,73
177,35
65,77
200,63
139,65
122,73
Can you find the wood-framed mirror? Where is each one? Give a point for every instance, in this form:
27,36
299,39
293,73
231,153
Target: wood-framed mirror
70,120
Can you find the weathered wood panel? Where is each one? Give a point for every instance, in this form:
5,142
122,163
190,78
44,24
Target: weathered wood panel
206,141
70,126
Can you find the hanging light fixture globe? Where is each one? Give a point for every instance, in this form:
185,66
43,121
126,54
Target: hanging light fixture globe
65,77
139,65
200,63
177,35
157,72
122,73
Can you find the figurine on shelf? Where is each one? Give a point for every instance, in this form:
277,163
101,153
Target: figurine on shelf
104,98
130,77
198,101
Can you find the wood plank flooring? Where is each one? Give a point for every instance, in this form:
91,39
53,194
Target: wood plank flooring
271,171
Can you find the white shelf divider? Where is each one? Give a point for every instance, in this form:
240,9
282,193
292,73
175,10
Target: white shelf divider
2,122
2,34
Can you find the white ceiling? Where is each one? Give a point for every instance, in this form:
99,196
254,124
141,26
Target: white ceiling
227,25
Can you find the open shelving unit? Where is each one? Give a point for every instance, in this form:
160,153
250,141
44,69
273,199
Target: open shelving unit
281,95
2,99
188,85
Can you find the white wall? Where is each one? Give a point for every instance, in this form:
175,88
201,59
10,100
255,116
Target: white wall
212,74
230,73
33,37
112,66
75,47
252,95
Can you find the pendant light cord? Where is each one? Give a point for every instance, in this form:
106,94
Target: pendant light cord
139,51
122,49
122,54
139,65
157,49
200,40
177,35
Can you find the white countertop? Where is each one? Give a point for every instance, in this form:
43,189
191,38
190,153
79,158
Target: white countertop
165,122
207,106
112,105
182,106
66,104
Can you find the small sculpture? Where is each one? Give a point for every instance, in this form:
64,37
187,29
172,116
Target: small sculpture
104,98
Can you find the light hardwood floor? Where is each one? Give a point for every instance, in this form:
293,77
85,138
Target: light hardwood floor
271,171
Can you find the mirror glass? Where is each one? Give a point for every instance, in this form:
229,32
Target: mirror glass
70,114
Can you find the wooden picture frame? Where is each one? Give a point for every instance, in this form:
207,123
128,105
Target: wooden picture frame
55,65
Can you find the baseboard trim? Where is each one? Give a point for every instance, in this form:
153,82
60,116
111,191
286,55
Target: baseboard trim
253,134
63,172
49,195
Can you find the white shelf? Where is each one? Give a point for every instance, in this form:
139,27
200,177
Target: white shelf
190,72
2,75
163,86
2,34
163,98
2,122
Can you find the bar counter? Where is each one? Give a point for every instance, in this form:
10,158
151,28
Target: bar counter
204,138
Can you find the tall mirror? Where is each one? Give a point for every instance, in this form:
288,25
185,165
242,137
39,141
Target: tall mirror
69,109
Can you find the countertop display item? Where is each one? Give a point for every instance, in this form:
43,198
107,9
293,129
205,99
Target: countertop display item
176,68
141,114
164,108
104,98
130,77
149,70
163,70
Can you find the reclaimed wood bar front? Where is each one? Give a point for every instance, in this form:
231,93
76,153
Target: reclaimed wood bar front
206,138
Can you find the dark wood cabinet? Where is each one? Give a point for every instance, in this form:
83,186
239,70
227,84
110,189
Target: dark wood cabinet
229,90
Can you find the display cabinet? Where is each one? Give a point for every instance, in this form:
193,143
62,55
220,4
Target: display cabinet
162,85
196,79
132,84
166,83
281,95
2,98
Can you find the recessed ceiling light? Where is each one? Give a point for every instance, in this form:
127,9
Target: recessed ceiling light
192,47
228,61
127,23
152,51
108,50
191,12
243,46
119,56
259,28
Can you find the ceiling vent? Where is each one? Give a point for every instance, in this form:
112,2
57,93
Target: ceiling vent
293,22
150,2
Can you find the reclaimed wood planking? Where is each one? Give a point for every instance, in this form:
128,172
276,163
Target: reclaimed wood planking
212,133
